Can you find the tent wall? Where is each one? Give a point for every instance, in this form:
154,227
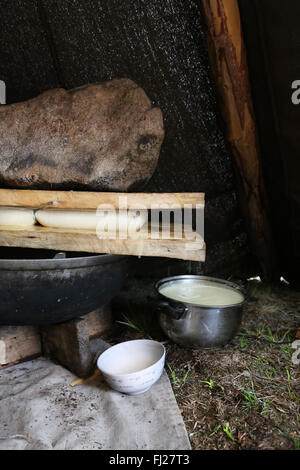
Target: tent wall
161,46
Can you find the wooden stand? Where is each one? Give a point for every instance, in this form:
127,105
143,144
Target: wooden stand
68,343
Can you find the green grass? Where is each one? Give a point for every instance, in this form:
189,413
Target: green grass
275,338
297,444
215,430
133,326
244,343
286,349
209,383
175,380
264,332
251,402
129,323
227,432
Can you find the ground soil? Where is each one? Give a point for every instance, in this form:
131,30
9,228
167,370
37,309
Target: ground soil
245,395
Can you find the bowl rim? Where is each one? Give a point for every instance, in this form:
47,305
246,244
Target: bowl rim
130,374
183,277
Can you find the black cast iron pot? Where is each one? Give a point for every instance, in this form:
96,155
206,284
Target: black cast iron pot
37,289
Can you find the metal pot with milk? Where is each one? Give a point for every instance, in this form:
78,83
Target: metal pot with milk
199,311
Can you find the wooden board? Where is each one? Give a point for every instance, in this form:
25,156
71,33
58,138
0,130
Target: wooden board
19,343
88,241
91,200
99,321
164,241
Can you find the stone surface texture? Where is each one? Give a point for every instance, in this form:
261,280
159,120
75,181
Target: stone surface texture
104,137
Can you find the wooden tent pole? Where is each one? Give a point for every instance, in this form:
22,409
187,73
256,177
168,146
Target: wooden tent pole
228,60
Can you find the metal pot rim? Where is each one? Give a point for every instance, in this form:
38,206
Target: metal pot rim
201,278
61,263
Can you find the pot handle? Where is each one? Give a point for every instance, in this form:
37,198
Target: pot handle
173,311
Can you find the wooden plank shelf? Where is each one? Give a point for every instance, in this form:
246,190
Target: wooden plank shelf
91,200
87,240
159,241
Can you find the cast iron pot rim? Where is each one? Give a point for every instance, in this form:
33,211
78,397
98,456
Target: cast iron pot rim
59,263
203,278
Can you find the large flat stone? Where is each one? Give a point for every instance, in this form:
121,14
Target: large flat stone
105,136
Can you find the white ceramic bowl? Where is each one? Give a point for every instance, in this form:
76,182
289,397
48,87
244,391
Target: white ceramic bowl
134,366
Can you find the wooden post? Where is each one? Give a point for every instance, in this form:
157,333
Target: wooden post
228,60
